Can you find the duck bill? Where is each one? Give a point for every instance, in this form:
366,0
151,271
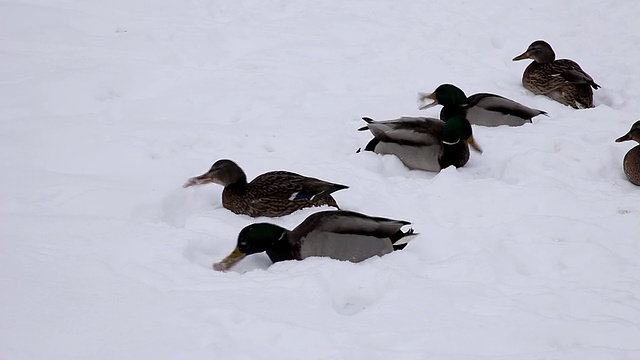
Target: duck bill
472,142
523,56
205,178
423,101
231,259
624,137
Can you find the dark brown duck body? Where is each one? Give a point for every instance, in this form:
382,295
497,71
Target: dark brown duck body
272,194
562,80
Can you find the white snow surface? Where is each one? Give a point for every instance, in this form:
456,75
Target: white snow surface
530,251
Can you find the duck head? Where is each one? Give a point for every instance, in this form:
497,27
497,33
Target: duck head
540,51
445,95
633,134
222,172
253,239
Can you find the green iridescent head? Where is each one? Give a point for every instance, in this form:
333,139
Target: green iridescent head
445,95
253,239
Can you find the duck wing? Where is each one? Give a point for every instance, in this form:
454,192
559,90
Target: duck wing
570,71
501,104
575,76
291,186
347,235
415,131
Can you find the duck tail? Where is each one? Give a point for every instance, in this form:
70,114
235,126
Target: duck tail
400,239
336,187
368,120
326,192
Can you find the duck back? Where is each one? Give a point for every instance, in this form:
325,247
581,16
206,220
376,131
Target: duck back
494,110
547,79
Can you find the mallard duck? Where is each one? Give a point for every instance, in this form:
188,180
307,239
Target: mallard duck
480,109
423,143
272,194
338,234
562,80
631,162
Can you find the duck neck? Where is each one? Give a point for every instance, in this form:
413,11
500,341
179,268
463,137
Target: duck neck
546,57
449,111
531,68
455,154
282,249
237,187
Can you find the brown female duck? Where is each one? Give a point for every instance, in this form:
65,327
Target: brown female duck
272,194
631,162
562,80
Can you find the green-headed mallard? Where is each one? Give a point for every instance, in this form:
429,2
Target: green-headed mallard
562,80
480,109
423,143
338,234
631,162
276,193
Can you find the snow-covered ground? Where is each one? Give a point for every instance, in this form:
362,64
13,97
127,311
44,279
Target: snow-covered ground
531,251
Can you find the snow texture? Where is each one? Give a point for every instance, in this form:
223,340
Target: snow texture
530,251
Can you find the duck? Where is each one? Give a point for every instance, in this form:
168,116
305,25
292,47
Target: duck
423,143
337,234
562,80
272,194
631,162
480,109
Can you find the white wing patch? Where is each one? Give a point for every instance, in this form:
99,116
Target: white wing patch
293,196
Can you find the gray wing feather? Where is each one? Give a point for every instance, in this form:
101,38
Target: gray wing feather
346,235
507,106
348,247
410,130
495,110
348,223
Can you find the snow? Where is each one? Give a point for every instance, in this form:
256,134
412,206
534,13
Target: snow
530,251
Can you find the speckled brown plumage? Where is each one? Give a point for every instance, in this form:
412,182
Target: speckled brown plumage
631,161
562,80
272,194
631,165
